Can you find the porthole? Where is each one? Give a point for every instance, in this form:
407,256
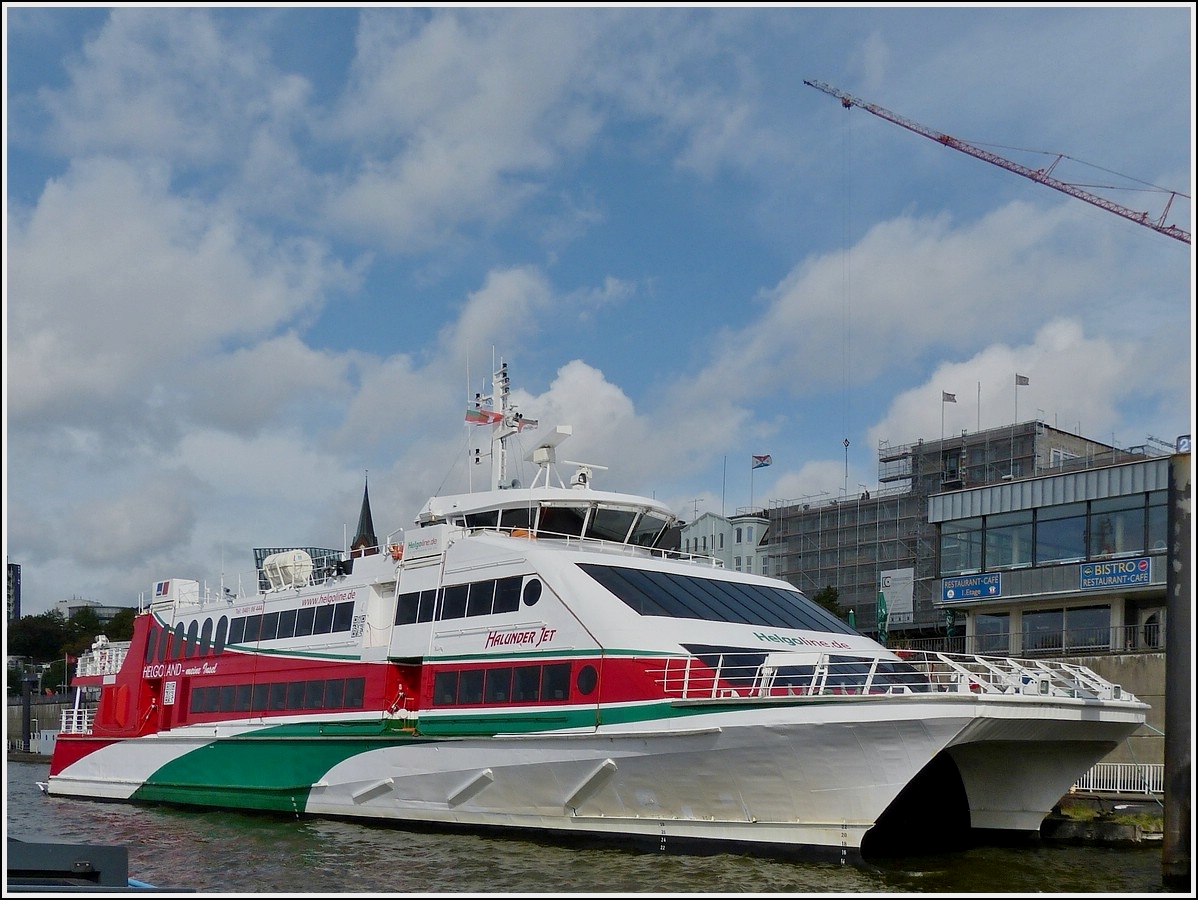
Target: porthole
532,592
588,679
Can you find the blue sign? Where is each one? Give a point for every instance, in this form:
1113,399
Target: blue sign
1117,573
973,587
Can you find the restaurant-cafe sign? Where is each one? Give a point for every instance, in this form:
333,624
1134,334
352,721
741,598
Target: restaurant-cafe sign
1116,573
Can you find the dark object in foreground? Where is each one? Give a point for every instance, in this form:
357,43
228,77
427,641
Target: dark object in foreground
86,868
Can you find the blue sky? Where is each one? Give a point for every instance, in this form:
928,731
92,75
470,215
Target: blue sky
252,253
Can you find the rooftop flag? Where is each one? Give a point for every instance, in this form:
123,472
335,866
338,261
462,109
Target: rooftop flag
762,461
478,416
946,397
1022,379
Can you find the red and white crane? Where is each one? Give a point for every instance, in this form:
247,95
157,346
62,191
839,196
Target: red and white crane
1043,176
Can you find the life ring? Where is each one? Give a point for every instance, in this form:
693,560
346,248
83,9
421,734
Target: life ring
397,551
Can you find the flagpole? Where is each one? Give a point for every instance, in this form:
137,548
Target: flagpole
1019,380
751,468
945,397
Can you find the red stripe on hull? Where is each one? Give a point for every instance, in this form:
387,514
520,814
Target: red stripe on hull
69,749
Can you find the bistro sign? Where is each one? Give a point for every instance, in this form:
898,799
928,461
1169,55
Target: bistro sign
1120,573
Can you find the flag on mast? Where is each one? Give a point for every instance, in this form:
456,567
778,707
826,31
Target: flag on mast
478,416
762,461
946,397
1022,379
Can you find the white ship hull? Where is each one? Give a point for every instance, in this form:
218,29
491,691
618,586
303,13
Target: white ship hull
806,778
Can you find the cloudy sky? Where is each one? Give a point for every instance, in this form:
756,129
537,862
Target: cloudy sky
257,255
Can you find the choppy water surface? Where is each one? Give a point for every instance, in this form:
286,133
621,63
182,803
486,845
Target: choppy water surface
223,852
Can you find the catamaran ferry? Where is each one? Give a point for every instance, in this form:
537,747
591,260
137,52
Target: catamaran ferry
534,659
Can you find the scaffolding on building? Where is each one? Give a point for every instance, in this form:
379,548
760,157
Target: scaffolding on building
848,543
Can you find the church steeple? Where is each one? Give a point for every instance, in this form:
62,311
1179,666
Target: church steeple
366,543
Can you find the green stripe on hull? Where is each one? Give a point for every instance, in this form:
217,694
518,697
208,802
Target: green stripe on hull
272,769
508,723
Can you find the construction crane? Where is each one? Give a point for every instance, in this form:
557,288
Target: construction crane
1043,176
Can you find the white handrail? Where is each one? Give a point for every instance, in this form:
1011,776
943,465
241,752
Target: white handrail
1123,778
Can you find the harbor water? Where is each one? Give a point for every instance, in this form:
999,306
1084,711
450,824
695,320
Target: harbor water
231,853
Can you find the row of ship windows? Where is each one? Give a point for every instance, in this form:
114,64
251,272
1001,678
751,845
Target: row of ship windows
330,693
197,640
511,684
458,601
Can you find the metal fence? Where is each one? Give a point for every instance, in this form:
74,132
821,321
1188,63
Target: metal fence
1123,778
1071,642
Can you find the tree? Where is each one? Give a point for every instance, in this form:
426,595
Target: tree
81,632
40,637
120,628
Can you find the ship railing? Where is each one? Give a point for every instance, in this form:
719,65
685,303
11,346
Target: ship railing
820,673
588,542
105,660
77,721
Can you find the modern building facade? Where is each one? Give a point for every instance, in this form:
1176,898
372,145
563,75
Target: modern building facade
1070,564
1025,541
72,607
968,529
1021,539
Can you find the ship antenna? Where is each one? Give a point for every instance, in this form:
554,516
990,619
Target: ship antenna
501,390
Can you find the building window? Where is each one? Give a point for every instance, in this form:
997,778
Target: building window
961,547
1158,520
1043,630
1117,526
1058,457
1152,631
721,540
736,563
1061,534
738,535
1009,540
1088,628
992,633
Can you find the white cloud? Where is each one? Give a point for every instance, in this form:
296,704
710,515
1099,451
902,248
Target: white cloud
193,370
123,284
172,84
